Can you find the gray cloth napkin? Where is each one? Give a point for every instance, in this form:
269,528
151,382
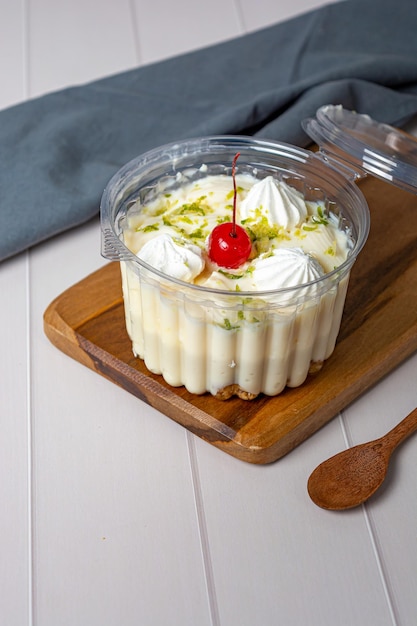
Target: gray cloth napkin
57,152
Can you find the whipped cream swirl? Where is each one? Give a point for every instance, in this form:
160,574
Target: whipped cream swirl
282,268
286,267
182,261
275,200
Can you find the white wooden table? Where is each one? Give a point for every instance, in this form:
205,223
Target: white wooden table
113,515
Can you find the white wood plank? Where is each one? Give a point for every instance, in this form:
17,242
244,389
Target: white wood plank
277,556
75,41
12,52
15,528
263,13
15,567
169,28
393,510
116,534
102,486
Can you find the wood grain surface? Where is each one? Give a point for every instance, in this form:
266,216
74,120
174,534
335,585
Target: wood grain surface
379,330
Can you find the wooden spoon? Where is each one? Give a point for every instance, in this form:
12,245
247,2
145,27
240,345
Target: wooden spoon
352,476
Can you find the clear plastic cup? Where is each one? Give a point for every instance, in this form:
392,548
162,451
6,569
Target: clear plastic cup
222,342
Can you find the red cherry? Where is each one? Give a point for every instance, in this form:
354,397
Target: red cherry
229,245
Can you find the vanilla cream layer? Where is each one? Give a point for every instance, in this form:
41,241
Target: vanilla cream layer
186,343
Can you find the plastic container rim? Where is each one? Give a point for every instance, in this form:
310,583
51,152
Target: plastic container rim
294,153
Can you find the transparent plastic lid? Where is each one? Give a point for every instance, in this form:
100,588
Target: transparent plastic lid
364,145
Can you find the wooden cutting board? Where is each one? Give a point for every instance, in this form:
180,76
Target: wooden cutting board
379,330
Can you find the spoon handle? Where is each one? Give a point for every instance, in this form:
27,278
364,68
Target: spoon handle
400,432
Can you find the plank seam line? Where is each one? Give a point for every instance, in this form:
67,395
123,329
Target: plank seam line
202,528
373,538
135,28
29,430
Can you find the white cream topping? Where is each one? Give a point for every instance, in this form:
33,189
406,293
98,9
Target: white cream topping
183,262
170,233
279,203
282,268
286,267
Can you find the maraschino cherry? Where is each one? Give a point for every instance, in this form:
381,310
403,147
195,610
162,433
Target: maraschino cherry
229,244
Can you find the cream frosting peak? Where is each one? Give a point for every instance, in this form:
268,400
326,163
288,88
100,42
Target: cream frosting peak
182,261
286,267
275,200
282,268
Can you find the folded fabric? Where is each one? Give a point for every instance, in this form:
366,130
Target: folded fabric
57,152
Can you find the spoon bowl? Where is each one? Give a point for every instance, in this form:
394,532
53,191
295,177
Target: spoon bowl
352,476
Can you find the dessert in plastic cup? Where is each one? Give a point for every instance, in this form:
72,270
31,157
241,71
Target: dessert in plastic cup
227,314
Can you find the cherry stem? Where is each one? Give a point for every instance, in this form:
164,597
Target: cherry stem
233,233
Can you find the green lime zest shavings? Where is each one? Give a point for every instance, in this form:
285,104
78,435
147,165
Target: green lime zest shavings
230,275
166,221
259,228
331,250
164,206
227,325
197,234
231,192
148,228
194,207
320,218
247,317
299,234
249,270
